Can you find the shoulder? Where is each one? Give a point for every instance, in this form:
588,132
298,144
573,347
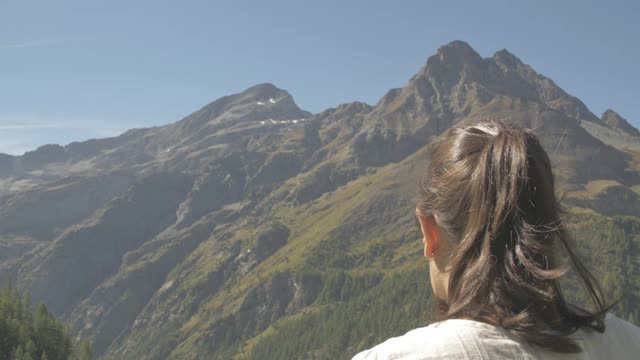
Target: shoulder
615,322
451,339
620,340
621,329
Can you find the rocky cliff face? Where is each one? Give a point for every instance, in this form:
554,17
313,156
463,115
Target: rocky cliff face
194,239
614,120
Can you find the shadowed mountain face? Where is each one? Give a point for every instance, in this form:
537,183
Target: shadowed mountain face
614,120
251,220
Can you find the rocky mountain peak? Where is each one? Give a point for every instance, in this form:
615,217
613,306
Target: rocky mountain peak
453,57
458,50
613,119
269,95
266,95
263,92
259,102
506,58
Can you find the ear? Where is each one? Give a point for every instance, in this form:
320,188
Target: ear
430,233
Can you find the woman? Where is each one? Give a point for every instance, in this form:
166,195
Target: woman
496,249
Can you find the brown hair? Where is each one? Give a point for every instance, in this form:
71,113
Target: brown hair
490,186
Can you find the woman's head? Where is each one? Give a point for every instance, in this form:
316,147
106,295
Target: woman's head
493,233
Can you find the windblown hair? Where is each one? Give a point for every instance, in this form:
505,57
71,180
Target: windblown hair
490,186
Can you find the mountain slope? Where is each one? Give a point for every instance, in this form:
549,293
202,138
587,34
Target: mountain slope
616,131
617,122
250,221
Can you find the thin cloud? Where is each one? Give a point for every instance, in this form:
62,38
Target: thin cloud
20,127
24,45
24,133
19,122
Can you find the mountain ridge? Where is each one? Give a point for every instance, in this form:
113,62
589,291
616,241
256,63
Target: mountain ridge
251,212
613,119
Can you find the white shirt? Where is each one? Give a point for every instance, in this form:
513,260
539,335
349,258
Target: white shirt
470,340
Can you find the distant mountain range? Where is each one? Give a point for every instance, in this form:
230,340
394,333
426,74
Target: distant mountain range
250,220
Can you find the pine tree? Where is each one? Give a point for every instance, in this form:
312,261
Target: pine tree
85,351
25,335
19,354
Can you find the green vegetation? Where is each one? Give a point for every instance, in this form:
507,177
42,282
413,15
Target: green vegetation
26,334
593,188
334,328
610,249
338,330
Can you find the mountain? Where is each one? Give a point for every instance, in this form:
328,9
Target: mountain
614,120
254,229
615,130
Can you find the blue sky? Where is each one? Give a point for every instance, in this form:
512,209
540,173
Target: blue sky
73,70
